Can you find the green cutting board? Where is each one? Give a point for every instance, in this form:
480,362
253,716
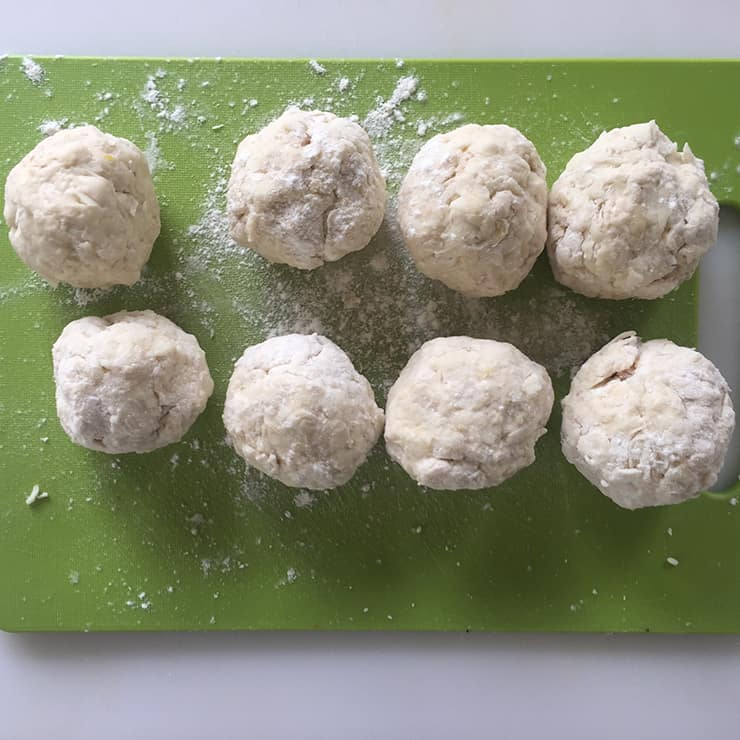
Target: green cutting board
187,537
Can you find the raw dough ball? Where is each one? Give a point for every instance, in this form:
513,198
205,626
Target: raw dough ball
297,409
305,190
129,382
466,413
648,424
81,209
472,209
630,217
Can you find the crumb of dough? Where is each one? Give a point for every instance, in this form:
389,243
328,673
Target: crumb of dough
36,495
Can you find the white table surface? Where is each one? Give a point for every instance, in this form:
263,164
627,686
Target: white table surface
309,685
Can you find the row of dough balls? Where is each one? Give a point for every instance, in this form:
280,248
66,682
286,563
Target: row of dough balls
630,217
647,423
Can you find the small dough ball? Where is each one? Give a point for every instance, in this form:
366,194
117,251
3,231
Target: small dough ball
305,190
648,424
297,409
466,413
473,207
631,216
81,209
129,382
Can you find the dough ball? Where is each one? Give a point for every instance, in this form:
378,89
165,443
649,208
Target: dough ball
648,424
129,382
297,409
81,209
305,190
472,209
631,216
466,413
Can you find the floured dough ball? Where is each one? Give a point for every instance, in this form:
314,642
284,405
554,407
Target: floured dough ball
466,413
81,209
631,216
297,409
305,190
129,382
648,424
472,209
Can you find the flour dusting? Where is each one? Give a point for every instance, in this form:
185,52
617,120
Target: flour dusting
172,115
34,72
153,154
379,121
50,127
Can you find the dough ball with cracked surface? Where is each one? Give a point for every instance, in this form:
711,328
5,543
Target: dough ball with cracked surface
647,423
466,413
305,190
631,216
81,209
128,382
472,209
297,410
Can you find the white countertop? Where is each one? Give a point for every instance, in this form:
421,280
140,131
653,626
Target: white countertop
326,685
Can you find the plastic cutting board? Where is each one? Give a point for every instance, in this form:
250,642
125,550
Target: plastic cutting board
186,537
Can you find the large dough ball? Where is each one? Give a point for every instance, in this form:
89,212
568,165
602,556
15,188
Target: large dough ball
297,409
466,413
305,190
81,209
630,217
648,424
472,209
129,382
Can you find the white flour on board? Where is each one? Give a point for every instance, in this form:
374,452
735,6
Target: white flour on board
378,122
172,115
34,72
153,154
50,127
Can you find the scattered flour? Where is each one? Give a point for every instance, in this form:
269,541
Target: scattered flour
672,561
50,127
316,67
379,121
153,154
303,499
73,577
34,72
172,115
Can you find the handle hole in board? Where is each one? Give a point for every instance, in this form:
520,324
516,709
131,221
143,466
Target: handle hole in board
719,322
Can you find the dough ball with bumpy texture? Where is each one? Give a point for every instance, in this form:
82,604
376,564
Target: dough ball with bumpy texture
129,382
466,413
81,209
647,423
472,209
631,216
305,190
297,409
